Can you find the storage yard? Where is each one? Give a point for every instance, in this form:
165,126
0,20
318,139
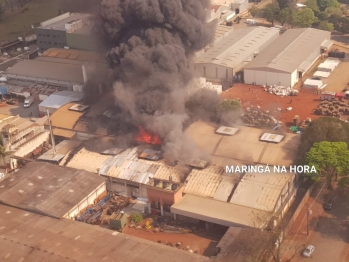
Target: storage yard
282,108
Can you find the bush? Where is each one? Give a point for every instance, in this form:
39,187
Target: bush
137,218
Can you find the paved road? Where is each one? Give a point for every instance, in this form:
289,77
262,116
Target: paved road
330,236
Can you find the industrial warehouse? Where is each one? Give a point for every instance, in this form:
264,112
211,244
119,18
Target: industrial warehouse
231,53
285,61
125,152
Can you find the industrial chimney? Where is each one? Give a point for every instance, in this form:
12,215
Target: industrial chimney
84,73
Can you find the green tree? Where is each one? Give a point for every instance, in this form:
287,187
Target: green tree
253,11
312,4
285,3
326,26
341,24
228,105
283,16
322,129
270,12
323,4
331,159
137,218
304,18
333,11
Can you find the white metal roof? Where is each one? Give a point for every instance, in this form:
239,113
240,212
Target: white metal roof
237,46
322,74
290,50
61,98
312,83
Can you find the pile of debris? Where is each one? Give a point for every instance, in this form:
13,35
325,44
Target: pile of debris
104,206
255,117
332,108
281,90
202,83
39,150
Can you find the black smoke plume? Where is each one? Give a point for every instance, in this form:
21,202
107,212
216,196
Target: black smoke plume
151,44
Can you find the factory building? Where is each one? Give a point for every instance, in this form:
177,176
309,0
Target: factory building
205,193
60,67
285,61
229,55
51,190
69,30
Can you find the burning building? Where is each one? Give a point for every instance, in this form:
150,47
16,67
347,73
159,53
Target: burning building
151,45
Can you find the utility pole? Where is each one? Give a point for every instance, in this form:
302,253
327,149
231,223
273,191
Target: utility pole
309,213
52,138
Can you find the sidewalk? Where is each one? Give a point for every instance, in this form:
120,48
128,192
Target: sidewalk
298,232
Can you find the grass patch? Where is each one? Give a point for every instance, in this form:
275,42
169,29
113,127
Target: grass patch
15,23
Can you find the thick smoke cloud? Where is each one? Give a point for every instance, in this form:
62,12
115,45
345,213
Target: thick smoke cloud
151,44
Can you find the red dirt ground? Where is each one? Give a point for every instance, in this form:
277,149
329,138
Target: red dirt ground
302,105
200,243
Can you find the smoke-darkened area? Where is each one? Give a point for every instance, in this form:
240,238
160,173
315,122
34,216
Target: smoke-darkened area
151,44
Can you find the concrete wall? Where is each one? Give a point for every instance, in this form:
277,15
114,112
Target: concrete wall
29,146
89,200
123,188
242,6
167,198
83,41
48,38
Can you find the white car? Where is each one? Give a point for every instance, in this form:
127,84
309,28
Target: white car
308,251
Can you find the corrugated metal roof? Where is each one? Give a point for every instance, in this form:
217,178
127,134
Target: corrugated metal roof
125,165
261,190
30,237
204,182
290,50
217,211
46,188
237,46
87,160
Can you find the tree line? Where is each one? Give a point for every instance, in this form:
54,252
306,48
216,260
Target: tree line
322,14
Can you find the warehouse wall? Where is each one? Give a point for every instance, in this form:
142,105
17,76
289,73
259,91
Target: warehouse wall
214,72
47,38
267,78
89,200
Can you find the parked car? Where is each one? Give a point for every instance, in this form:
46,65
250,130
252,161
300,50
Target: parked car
328,205
11,102
28,101
308,251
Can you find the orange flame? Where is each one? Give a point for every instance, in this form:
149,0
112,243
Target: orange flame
148,138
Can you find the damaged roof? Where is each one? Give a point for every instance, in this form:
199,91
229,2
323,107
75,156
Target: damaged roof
126,165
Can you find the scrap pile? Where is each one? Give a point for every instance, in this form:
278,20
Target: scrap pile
332,108
39,150
281,90
104,206
202,83
258,118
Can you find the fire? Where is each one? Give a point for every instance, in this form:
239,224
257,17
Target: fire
148,138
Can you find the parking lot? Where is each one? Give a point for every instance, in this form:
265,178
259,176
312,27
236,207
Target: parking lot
18,109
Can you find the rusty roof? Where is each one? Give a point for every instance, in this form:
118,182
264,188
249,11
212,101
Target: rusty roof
29,237
48,189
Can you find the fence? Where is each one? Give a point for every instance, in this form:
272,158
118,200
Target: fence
298,209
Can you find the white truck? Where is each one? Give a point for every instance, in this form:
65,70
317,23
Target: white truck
28,101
